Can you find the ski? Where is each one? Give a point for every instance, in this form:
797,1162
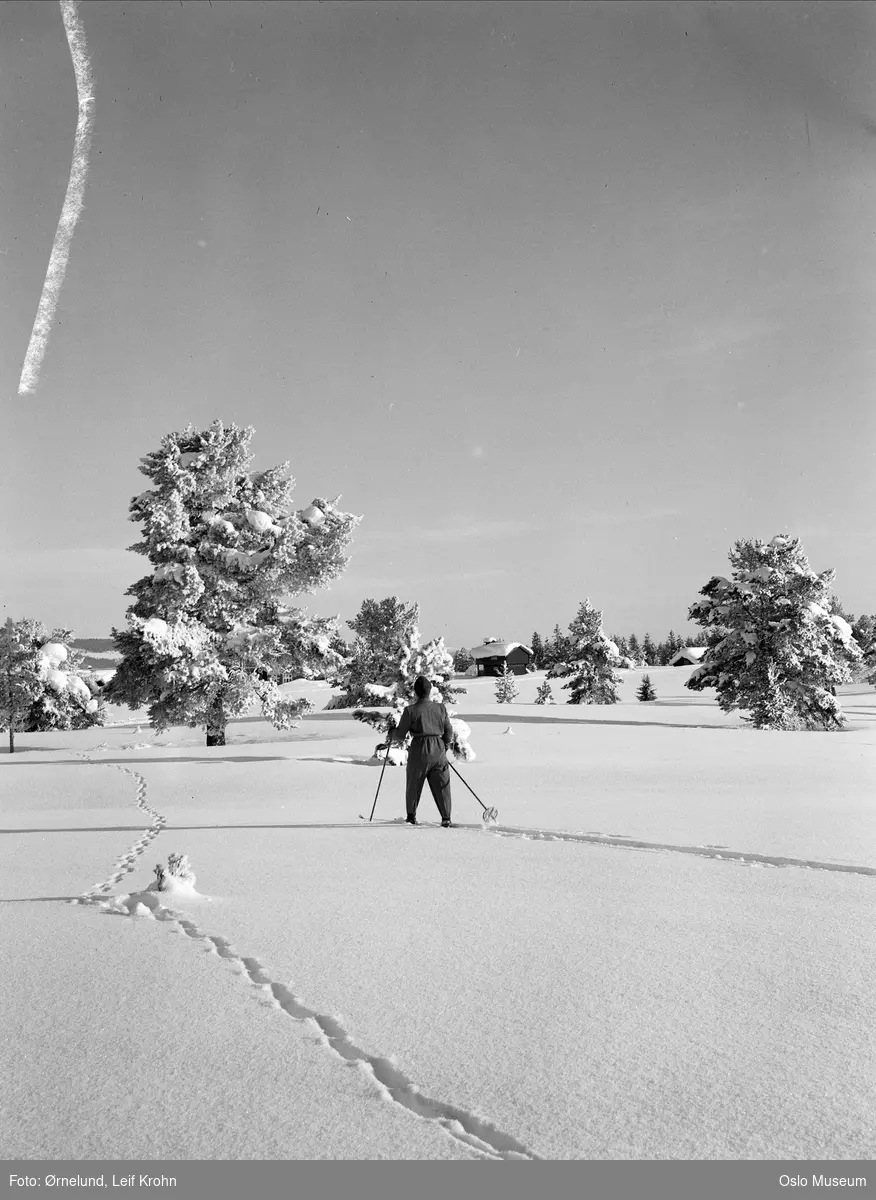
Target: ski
402,821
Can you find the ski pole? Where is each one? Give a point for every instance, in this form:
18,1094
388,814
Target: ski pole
382,769
490,814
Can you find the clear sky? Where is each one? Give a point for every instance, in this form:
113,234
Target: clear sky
563,298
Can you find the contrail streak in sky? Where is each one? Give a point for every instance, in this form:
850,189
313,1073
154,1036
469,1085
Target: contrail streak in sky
39,338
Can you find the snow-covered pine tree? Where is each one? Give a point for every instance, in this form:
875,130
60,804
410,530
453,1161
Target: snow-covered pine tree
310,647
649,651
391,685
667,650
381,628
544,695
621,643
537,647
208,632
773,647
645,690
556,648
506,688
864,633
860,666
380,624
19,678
593,660
43,684
462,660
635,651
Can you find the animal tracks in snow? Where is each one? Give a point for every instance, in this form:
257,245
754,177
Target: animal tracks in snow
472,1131
125,864
463,1126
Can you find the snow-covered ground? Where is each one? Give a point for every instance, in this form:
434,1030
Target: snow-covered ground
664,949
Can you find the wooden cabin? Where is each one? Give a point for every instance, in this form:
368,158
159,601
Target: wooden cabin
688,656
493,656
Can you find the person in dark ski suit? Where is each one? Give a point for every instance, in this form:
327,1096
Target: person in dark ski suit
431,733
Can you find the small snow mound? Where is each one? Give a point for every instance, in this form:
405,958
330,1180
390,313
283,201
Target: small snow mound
508,730
140,910
177,879
178,889
397,756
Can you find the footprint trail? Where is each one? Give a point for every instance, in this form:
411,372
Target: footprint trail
470,1130
124,865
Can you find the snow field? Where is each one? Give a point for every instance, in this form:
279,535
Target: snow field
123,1038
548,995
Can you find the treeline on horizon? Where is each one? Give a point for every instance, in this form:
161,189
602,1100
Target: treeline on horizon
558,647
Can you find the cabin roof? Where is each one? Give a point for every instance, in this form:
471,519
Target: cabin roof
497,649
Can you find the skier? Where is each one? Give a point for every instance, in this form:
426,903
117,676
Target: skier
432,733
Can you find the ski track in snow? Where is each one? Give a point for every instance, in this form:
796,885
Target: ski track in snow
474,1132
746,857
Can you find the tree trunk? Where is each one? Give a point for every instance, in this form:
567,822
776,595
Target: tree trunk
216,725
11,740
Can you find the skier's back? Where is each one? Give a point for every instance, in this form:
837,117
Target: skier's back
431,734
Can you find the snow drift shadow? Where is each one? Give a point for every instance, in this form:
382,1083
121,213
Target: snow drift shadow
346,760
4,750
518,718
79,829
157,760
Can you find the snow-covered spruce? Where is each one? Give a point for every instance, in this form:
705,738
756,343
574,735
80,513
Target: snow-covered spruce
380,629
645,690
208,633
774,649
544,695
506,688
386,659
593,660
43,684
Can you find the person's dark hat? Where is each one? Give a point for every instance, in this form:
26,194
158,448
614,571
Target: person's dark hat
422,686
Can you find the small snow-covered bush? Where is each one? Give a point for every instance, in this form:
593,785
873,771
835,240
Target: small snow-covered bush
43,685
506,688
178,870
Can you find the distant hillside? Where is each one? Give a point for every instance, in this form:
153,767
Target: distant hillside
93,645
